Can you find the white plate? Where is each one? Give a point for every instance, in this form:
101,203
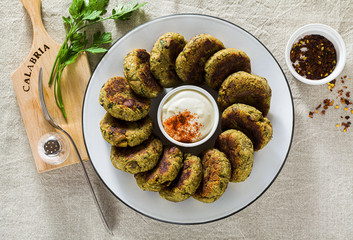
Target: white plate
267,162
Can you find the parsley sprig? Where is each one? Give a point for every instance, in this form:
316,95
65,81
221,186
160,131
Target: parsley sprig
84,13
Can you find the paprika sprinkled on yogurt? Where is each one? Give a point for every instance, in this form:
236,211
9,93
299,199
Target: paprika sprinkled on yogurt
183,127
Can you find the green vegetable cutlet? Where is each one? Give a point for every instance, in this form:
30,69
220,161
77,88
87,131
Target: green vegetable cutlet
223,63
243,87
250,121
216,174
191,61
121,102
138,73
164,173
187,182
122,134
137,159
163,55
239,150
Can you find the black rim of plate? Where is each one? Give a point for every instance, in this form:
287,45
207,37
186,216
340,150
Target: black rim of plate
290,143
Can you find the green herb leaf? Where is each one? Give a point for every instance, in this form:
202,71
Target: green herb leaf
67,20
78,42
71,59
123,12
76,8
94,49
91,15
103,38
98,5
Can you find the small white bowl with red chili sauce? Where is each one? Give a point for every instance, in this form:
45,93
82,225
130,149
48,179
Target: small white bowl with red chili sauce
315,54
188,116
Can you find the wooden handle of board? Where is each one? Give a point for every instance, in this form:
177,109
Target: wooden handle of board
33,8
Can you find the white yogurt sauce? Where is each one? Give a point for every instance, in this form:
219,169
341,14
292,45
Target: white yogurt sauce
195,102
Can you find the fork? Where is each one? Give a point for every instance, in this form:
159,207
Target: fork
47,116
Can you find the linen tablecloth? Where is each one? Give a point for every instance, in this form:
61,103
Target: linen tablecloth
310,199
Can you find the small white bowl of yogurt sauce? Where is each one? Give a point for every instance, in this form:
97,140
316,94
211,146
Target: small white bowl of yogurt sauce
188,116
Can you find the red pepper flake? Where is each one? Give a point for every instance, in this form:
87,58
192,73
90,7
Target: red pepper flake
346,125
183,127
326,101
342,105
340,93
313,57
332,84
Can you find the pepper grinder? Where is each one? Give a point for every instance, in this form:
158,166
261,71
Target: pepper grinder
53,148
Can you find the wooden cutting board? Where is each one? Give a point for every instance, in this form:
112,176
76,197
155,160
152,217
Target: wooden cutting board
73,84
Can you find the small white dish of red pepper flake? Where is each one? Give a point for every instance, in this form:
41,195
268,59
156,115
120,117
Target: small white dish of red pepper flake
315,54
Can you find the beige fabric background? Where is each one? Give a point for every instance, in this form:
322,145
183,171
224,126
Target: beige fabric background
310,199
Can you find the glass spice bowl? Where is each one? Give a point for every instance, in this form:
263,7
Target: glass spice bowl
329,33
